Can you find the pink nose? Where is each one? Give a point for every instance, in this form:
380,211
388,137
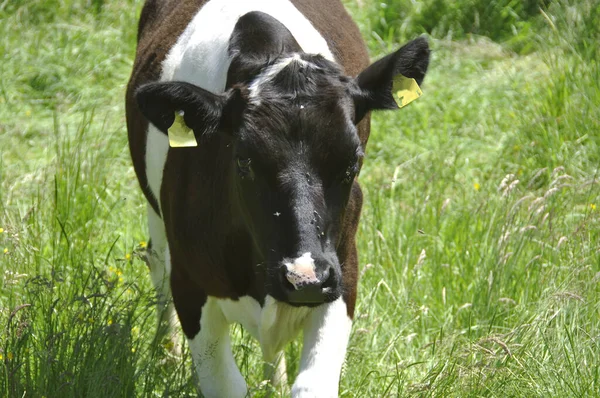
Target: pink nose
301,272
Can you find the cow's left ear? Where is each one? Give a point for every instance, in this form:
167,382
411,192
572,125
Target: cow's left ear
376,81
203,111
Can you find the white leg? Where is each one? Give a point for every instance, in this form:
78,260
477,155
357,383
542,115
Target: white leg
275,371
215,366
326,334
159,263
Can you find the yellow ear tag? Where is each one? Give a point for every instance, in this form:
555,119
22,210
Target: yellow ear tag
180,135
405,90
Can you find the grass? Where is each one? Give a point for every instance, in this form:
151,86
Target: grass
479,242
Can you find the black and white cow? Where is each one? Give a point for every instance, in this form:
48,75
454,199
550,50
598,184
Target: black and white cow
257,224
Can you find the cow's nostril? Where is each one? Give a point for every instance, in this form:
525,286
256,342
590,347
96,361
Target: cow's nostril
329,279
286,283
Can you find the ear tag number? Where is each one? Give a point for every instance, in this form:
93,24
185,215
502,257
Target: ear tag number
180,135
405,90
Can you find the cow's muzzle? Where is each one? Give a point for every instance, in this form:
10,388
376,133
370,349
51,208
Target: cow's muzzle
309,281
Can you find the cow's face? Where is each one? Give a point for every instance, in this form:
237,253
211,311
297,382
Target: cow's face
295,153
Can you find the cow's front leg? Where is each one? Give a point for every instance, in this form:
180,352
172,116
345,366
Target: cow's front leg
326,334
214,363
207,331
275,371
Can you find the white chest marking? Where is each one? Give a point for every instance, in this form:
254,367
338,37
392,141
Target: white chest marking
270,73
326,332
201,57
273,325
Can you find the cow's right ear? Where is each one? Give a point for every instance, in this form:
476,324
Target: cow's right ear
202,110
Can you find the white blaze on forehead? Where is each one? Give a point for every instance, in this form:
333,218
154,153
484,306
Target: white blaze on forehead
269,73
301,271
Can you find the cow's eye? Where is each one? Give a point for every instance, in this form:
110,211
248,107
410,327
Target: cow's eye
350,173
244,167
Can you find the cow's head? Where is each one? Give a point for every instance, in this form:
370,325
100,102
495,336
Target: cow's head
290,123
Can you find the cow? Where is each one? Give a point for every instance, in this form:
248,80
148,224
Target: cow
256,223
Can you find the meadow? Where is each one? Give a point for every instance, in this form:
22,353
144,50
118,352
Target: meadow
479,241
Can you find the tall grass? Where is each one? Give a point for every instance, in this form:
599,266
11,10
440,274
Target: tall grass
479,253
510,21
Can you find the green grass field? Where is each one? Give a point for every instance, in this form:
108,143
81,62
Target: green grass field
480,237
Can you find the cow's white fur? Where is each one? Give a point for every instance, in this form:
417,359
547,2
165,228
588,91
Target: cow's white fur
156,254
273,325
279,323
276,371
326,334
201,57
215,365
269,73
160,268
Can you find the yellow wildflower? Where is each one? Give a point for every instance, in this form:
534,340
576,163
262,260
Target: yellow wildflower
593,206
110,322
169,345
5,251
1,230
128,257
476,186
132,349
1,356
143,244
